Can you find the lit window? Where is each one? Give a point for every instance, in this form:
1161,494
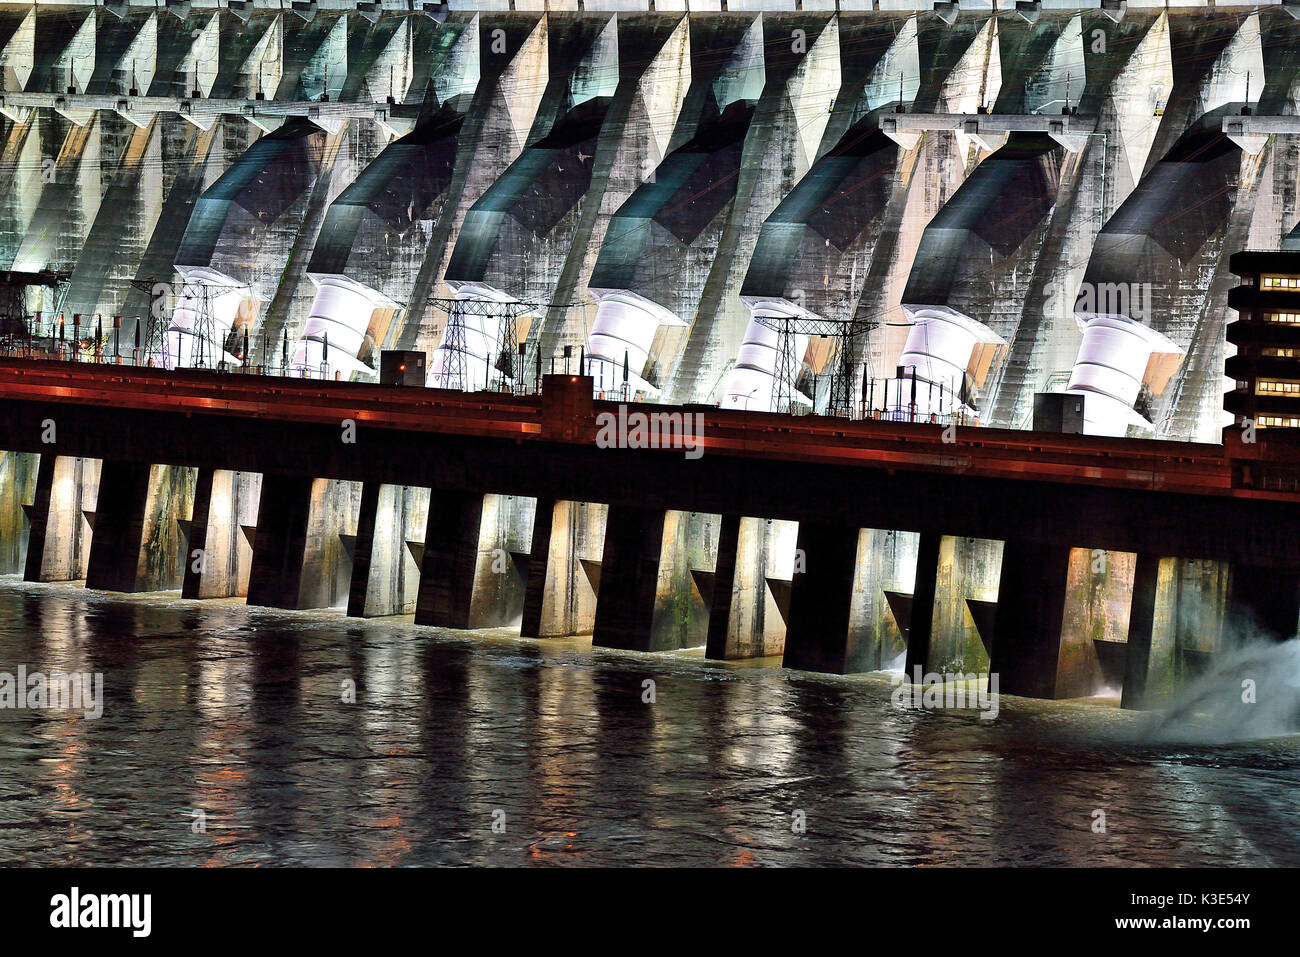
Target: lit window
1278,422
1291,318
1280,352
1281,282
1277,387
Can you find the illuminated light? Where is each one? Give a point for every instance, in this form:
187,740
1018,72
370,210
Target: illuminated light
1281,282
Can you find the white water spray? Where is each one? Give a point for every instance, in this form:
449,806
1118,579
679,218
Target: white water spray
1250,692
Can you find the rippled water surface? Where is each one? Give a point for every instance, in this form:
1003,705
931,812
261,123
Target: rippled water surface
238,713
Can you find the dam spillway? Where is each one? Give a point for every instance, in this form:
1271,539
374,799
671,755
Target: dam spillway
652,193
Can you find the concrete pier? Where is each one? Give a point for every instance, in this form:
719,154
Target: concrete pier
821,593
61,518
451,551
119,528
921,623
390,542
1030,613
1141,627
219,552
724,581
279,548
17,490
629,577
564,568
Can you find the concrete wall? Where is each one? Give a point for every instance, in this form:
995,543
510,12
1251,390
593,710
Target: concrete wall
111,195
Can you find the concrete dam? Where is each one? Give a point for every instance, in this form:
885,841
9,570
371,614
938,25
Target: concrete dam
927,212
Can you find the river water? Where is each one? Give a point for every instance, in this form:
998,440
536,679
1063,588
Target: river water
226,739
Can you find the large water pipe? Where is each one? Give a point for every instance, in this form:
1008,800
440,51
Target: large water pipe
340,316
186,342
944,347
621,337
751,383
1114,360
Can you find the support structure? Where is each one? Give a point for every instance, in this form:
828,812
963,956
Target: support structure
530,626
196,547
821,595
281,542
1141,627
724,583
921,624
629,575
1030,613
39,516
450,557
119,527
363,551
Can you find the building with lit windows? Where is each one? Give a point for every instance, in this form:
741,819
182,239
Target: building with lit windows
1266,368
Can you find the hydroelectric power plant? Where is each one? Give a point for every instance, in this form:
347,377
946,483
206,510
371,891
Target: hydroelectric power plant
954,338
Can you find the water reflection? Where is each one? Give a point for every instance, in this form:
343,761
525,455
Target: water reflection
244,715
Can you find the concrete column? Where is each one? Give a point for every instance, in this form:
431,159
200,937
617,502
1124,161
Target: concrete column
817,634
167,514
724,583
222,527
18,472
388,549
538,554
59,549
921,626
1030,613
331,534
362,553
629,577
39,515
192,579
1141,624
684,594
565,577
886,581
1264,600
501,567
450,558
281,541
119,527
